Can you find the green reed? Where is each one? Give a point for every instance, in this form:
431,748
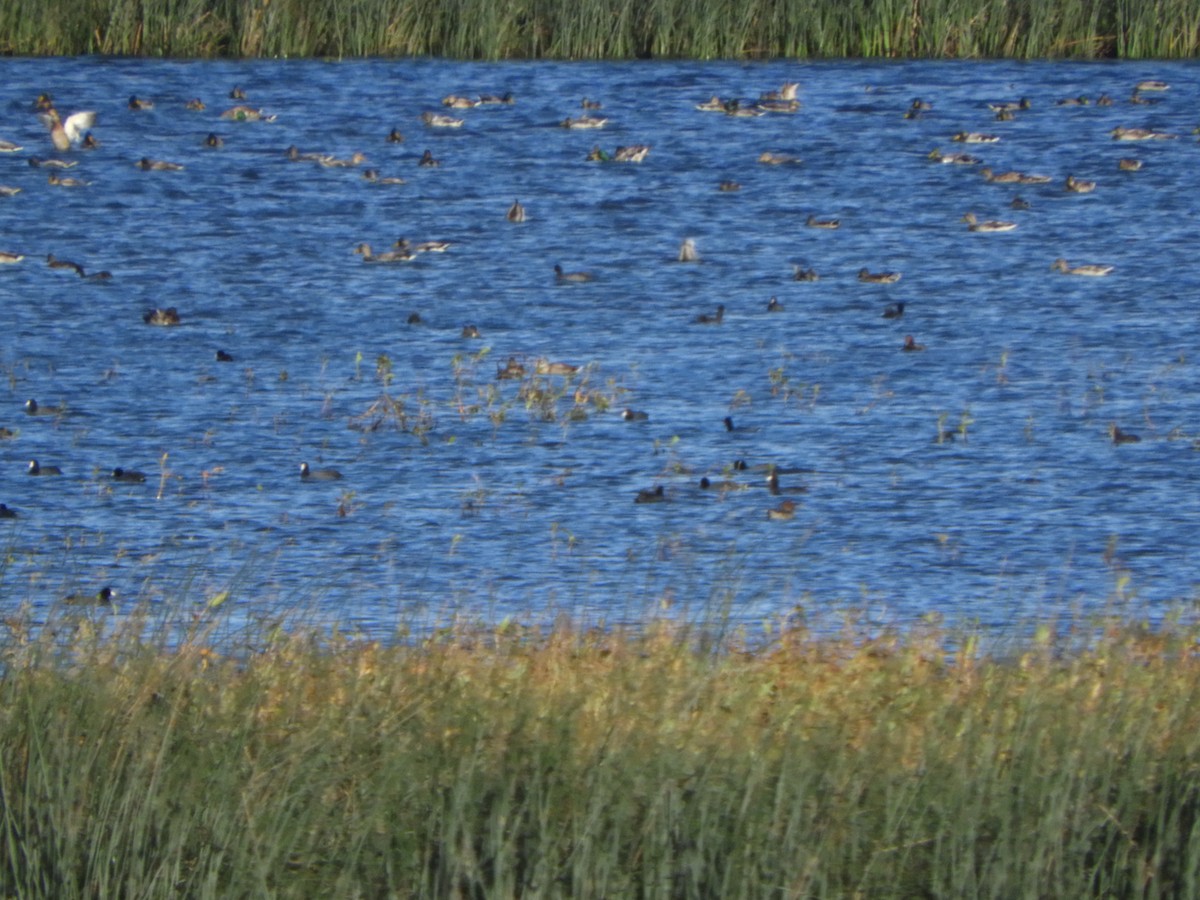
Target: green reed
604,29
570,762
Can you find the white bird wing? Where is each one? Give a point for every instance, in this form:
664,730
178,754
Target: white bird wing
77,123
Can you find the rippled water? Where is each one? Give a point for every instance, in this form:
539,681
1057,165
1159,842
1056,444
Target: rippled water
484,507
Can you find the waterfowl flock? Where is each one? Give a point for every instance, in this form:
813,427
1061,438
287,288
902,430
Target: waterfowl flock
294,269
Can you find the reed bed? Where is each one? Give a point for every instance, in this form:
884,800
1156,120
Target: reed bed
570,762
604,29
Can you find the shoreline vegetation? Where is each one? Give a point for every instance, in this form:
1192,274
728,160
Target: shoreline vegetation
565,762
610,29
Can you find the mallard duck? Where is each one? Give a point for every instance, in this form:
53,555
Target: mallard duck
243,113
516,212
735,109
89,142
975,137
1152,84
10,147
1000,177
1078,185
390,256
470,332
1092,270
423,246
893,311
158,165
768,158
584,121
102,597
651,495
373,176
955,159
799,273
1139,134
713,104
989,226
545,366
505,99
33,408
128,476
163,317
919,105
35,468
10,259
1121,437
356,158
728,187
911,345
307,474
1009,105
1020,203
787,91
773,305
1104,100
715,318
576,277
55,263
214,140
136,103
60,181
634,153
785,510
513,370
457,101
829,224
223,356
1139,100
428,161
1129,165
585,103
38,162
687,251
778,106
395,137
866,275
236,93
635,415
195,105
65,132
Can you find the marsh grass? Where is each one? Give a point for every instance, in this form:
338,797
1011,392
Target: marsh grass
603,29
569,762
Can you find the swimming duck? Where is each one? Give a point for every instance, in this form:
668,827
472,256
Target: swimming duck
1152,84
102,597
728,187
357,158
773,305
1121,437
687,251
919,105
1010,105
1005,115
585,103
1078,185
242,113
735,109
635,415
391,256
33,408
513,370
956,159
1092,270
43,102
715,318
787,91
799,273
470,332
195,105
65,132
516,212
428,160
584,121
6,513
164,317
423,247
236,93
829,224
893,311
544,366
11,258
59,181
214,140
89,142
1139,134
37,161
223,356
576,277
866,275
778,106
634,153
975,137
395,137
10,147
911,345
785,510
456,101
136,103
36,469
373,176
307,474
651,495
768,158
438,120
713,104
1000,177
1073,101
505,99
55,263
1129,165
1020,203
414,318
731,427
1104,100
989,226
158,165
128,476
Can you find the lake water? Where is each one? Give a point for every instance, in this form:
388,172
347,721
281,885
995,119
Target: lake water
490,498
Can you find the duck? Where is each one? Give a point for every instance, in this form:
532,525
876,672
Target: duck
516,212
784,511
585,103
505,99
33,408
545,366
236,93
102,597
243,113
866,275
457,101
773,305
828,224
576,277
69,131
55,263
356,158
787,91
911,345
163,317
428,161
89,142
778,106
1139,134
423,246
223,356
158,165
1152,85
195,105
390,256
735,109
1018,202
634,153
59,181
893,311
128,476
439,120
214,140
635,415
373,176
728,187
38,162
731,427
10,147
395,137
990,226
1121,437
651,495
919,105
767,158
584,121
1104,100
35,468
1078,185
975,137
1073,101
1010,105
957,159
10,259
1000,177
799,273
513,370
6,512
470,332
1129,165
715,318
713,104
136,103
6,191
307,474
1092,270
687,251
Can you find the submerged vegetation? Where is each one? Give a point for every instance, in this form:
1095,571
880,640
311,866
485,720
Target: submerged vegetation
510,762
607,29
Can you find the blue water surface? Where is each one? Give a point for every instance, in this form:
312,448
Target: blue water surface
489,498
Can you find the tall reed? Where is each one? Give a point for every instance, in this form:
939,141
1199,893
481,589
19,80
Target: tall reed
604,29
576,763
